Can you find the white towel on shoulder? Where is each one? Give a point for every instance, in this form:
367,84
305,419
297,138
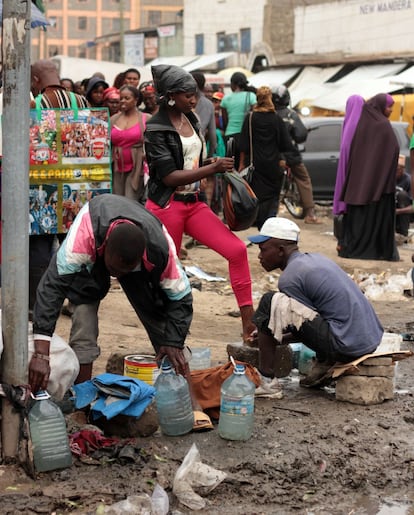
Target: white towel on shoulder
285,311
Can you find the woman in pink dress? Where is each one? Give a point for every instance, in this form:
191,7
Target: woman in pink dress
127,138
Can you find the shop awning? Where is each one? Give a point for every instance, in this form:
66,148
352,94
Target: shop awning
404,79
179,60
204,61
336,99
273,77
310,84
366,81
371,71
228,72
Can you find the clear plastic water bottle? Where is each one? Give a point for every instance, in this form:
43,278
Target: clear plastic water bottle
200,358
50,441
173,402
237,406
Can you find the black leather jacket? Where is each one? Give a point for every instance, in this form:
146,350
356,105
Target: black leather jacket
164,153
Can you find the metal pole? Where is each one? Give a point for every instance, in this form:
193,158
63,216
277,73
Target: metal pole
15,209
121,32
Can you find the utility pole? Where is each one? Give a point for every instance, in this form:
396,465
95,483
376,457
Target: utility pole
15,209
121,32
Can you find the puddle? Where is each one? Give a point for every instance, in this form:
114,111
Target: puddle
392,505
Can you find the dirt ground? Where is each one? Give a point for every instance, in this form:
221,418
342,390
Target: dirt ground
309,453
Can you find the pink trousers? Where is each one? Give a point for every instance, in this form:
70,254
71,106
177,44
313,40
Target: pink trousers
198,221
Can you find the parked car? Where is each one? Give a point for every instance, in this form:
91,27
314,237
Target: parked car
320,152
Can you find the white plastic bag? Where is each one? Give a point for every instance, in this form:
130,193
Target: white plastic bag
132,505
160,501
192,473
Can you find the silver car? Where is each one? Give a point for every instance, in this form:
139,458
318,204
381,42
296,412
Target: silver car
320,152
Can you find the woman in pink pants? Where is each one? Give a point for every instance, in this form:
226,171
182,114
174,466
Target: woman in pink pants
174,150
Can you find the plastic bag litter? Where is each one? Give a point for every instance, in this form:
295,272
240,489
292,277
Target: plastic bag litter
132,505
399,282
143,504
195,475
160,501
374,292
385,286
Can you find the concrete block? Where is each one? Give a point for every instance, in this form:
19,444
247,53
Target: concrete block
242,352
378,362
364,390
283,357
376,371
125,426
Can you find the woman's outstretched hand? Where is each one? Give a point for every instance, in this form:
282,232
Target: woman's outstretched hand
224,164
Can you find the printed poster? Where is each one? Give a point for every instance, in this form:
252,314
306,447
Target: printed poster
70,163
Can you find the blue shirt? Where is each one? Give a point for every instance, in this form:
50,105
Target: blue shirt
322,285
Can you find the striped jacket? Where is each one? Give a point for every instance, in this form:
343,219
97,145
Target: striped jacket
78,270
57,97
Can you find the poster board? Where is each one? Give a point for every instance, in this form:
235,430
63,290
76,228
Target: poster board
70,163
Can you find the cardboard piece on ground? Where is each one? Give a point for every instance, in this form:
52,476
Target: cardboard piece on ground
352,367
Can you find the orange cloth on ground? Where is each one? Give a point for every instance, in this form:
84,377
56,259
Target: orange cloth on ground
207,385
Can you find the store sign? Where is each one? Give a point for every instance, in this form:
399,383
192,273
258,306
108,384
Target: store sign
166,31
134,49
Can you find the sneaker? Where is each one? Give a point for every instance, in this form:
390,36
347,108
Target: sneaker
269,388
318,374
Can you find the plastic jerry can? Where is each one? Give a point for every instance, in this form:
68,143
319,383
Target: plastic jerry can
173,402
49,436
237,406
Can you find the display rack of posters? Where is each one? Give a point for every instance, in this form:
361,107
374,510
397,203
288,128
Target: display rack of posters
70,163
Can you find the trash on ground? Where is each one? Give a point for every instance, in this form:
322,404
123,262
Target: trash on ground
195,270
132,505
143,504
192,476
383,286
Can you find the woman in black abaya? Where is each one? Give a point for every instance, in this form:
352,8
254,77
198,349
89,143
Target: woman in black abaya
369,189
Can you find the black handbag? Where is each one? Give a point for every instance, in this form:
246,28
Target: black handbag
240,204
247,173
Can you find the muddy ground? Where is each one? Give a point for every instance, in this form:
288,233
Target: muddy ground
309,453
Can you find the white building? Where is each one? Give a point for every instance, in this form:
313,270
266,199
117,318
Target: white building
283,32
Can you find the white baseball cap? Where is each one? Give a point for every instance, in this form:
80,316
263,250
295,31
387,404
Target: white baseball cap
275,227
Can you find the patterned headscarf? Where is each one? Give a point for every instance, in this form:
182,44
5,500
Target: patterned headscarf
264,101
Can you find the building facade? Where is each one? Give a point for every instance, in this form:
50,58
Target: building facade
258,32
282,32
266,33
76,25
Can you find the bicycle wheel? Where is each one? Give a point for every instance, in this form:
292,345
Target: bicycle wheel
291,198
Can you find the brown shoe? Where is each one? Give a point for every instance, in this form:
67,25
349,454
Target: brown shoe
318,374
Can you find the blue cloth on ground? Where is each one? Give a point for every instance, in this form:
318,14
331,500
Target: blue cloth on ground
112,394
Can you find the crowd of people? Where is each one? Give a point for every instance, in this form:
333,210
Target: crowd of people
221,117
167,153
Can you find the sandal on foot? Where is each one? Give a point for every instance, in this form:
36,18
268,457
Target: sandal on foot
202,421
312,220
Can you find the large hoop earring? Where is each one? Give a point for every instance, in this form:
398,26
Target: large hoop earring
171,102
